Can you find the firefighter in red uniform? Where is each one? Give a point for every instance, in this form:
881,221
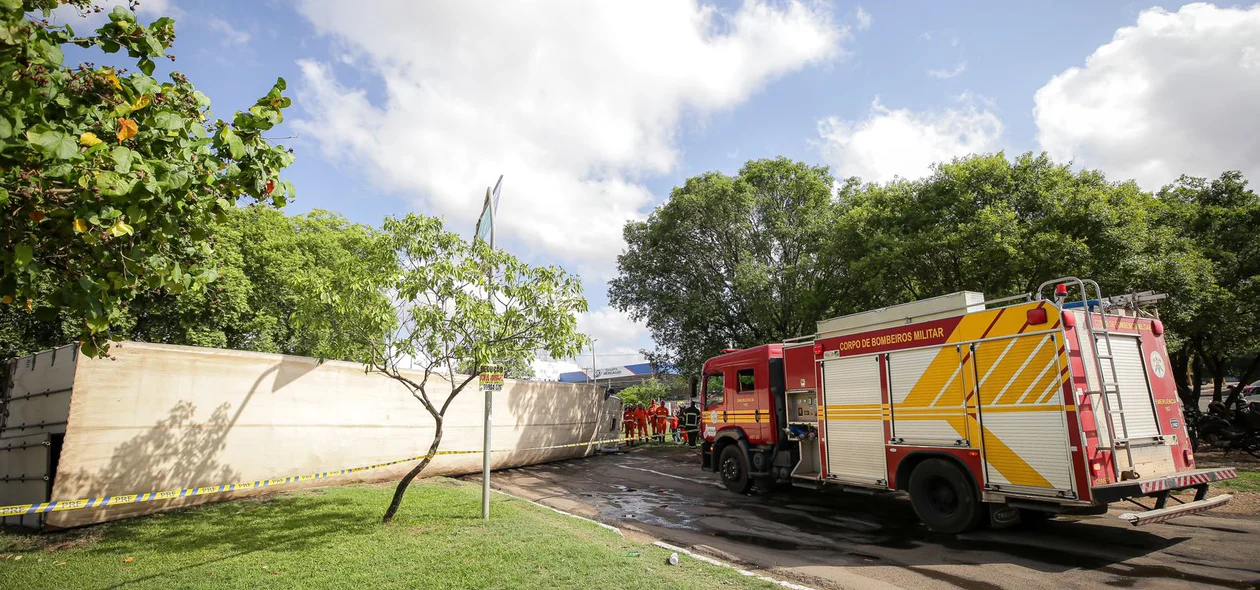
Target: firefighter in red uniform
628,423
641,420
662,420
652,419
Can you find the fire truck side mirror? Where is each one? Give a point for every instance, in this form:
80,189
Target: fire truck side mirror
695,385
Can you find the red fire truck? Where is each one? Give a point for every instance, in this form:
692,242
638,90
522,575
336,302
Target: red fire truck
986,412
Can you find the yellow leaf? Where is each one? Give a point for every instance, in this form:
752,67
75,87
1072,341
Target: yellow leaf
120,228
127,129
109,75
141,102
7,299
80,225
30,306
89,139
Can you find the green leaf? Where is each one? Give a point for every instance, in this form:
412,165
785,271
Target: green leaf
146,65
113,184
52,144
144,84
50,53
178,178
97,324
4,196
122,159
235,145
22,255
6,128
154,46
168,120
11,4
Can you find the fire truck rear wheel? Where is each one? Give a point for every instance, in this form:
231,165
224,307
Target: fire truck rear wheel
733,468
943,497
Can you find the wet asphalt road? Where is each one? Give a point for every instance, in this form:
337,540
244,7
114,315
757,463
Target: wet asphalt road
837,540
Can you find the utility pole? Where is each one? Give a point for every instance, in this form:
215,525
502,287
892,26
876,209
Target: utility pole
594,371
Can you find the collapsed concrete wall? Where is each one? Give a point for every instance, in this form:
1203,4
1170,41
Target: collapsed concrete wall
161,417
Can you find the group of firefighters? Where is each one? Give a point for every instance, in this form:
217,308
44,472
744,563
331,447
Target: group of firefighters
655,422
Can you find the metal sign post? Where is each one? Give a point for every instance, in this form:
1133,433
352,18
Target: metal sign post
491,381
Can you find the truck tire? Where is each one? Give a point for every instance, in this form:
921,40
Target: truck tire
944,498
732,467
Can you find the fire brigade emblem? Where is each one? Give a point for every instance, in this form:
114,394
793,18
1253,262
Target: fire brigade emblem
1157,364
713,416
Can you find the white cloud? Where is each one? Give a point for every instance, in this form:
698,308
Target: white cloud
900,142
945,74
229,35
864,19
1179,92
618,338
575,102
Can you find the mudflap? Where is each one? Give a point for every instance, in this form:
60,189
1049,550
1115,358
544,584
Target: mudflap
706,456
1002,516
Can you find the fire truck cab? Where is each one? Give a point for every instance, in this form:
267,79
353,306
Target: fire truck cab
985,412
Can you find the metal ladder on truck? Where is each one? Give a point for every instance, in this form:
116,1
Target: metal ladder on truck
1107,384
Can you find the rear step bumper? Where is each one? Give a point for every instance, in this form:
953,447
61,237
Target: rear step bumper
1171,512
1161,488
1136,488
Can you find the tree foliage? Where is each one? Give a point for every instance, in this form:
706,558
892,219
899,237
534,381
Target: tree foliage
109,178
741,261
1221,218
265,262
715,265
447,304
655,388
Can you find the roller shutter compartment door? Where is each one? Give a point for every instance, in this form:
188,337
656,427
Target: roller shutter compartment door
1020,390
1135,392
855,423
927,391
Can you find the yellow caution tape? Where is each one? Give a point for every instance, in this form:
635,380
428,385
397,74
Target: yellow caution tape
62,505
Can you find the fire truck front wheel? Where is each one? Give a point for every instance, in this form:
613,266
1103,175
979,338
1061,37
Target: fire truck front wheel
944,498
733,468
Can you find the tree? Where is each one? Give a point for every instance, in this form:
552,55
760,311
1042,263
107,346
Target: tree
987,224
730,261
265,261
436,316
109,179
656,388
705,275
1221,218
262,260
517,368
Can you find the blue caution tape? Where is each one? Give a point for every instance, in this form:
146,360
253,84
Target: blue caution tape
63,505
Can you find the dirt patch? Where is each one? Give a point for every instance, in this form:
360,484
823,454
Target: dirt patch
1219,458
1243,503
25,541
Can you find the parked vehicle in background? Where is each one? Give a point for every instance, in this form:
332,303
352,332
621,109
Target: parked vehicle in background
1252,390
984,411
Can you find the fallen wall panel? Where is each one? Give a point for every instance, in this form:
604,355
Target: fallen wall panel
160,417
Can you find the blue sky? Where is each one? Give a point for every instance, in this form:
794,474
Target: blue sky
601,109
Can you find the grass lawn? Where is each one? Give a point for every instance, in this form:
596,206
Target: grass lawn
1247,481
332,538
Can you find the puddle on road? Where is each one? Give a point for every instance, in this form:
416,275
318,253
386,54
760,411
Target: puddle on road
834,522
